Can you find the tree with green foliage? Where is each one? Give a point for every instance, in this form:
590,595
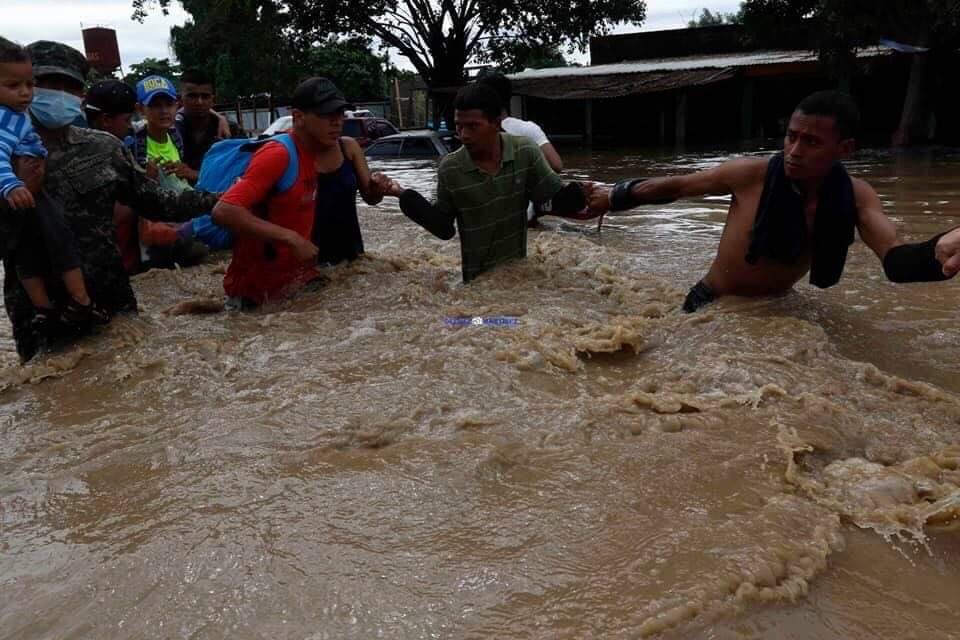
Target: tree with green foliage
512,55
841,27
249,47
152,67
439,37
241,43
709,18
358,72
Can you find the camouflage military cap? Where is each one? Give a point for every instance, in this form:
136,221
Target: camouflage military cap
55,58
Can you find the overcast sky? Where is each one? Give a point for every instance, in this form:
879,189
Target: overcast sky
27,20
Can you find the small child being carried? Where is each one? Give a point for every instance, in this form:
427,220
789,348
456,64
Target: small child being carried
36,230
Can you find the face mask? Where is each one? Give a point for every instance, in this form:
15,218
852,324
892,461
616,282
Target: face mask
54,109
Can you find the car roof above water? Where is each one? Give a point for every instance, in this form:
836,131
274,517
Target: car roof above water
413,133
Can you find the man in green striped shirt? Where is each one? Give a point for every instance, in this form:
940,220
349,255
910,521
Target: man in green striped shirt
485,187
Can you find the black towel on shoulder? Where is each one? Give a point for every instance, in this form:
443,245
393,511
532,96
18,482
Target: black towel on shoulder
780,229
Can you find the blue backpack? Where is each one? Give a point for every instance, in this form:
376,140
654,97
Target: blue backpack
223,165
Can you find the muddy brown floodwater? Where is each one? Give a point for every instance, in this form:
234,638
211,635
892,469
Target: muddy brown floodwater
354,464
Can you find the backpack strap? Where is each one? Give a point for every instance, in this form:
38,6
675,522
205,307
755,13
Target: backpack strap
290,175
177,139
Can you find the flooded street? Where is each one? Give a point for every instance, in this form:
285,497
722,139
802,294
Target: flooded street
363,462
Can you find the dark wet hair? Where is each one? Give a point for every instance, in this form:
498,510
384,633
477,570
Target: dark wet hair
837,104
499,83
12,52
479,96
196,76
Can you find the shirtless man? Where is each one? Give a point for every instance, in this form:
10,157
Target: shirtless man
790,214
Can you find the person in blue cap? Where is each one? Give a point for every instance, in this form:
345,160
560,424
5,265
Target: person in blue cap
158,146
144,244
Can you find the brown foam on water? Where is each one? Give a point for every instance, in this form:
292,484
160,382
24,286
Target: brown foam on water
607,466
775,574
564,346
895,500
563,341
41,368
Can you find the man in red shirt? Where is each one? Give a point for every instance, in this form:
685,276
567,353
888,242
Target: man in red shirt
272,252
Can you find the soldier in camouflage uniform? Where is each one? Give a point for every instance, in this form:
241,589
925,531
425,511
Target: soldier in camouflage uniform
88,171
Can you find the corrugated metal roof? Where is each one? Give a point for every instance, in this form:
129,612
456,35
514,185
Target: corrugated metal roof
648,76
615,86
686,64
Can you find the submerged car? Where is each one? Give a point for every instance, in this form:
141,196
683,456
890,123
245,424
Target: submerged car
366,130
281,124
410,144
361,128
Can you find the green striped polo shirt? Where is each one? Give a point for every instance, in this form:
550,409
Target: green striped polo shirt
491,210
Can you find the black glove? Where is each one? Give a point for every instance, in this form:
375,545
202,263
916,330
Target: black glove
914,262
568,200
621,196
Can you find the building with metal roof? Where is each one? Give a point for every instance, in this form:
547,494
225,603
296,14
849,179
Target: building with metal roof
700,85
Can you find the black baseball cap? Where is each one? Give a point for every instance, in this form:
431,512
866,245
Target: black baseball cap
320,96
111,97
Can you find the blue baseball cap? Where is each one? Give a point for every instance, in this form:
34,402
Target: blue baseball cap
153,86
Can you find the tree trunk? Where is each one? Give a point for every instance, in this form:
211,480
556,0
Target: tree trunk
442,103
443,85
915,117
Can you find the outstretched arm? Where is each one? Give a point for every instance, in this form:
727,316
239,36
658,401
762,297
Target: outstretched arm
436,218
372,187
552,157
726,178
876,229
902,262
140,192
